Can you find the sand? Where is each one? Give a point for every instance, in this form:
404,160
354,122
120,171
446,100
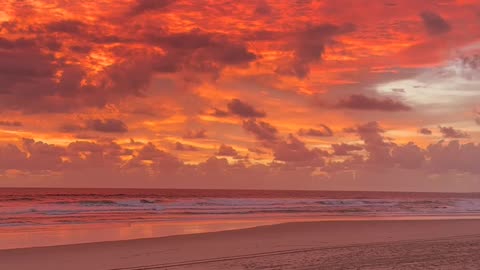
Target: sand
421,244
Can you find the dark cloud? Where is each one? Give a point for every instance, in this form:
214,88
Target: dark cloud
107,125
34,81
263,8
161,161
425,131
398,90
262,131
375,143
295,151
184,147
450,132
83,154
43,156
11,157
361,102
66,26
227,151
143,6
16,43
10,123
325,131
72,127
243,109
408,156
219,113
195,134
434,23
309,46
344,149
454,156
199,51
257,151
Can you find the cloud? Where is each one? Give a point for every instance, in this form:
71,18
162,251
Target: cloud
199,51
450,132
425,131
263,8
10,123
107,125
158,160
293,150
361,102
195,134
454,156
344,149
408,156
143,6
65,26
227,151
243,109
377,147
11,157
434,23
325,131
309,46
262,131
398,90
18,43
43,156
219,113
184,147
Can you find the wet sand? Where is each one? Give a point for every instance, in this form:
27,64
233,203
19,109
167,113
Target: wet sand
421,244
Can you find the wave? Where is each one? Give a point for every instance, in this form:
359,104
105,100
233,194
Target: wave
24,209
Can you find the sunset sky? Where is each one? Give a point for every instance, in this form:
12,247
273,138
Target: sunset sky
293,94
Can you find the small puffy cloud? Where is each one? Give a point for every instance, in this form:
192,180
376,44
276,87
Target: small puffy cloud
361,102
227,151
425,131
324,131
195,134
243,109
398,90
219,113
452,133
344,149
107,125
434,23
262,131
144,6
184,147
159,160
65,26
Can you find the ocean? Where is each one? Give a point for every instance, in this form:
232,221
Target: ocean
43,217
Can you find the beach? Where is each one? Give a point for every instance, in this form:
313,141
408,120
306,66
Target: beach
374,244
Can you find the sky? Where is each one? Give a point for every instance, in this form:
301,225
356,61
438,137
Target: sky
295,94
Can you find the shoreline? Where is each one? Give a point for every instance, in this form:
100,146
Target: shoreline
91,233
298,241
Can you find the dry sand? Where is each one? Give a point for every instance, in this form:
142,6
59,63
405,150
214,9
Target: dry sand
423,244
